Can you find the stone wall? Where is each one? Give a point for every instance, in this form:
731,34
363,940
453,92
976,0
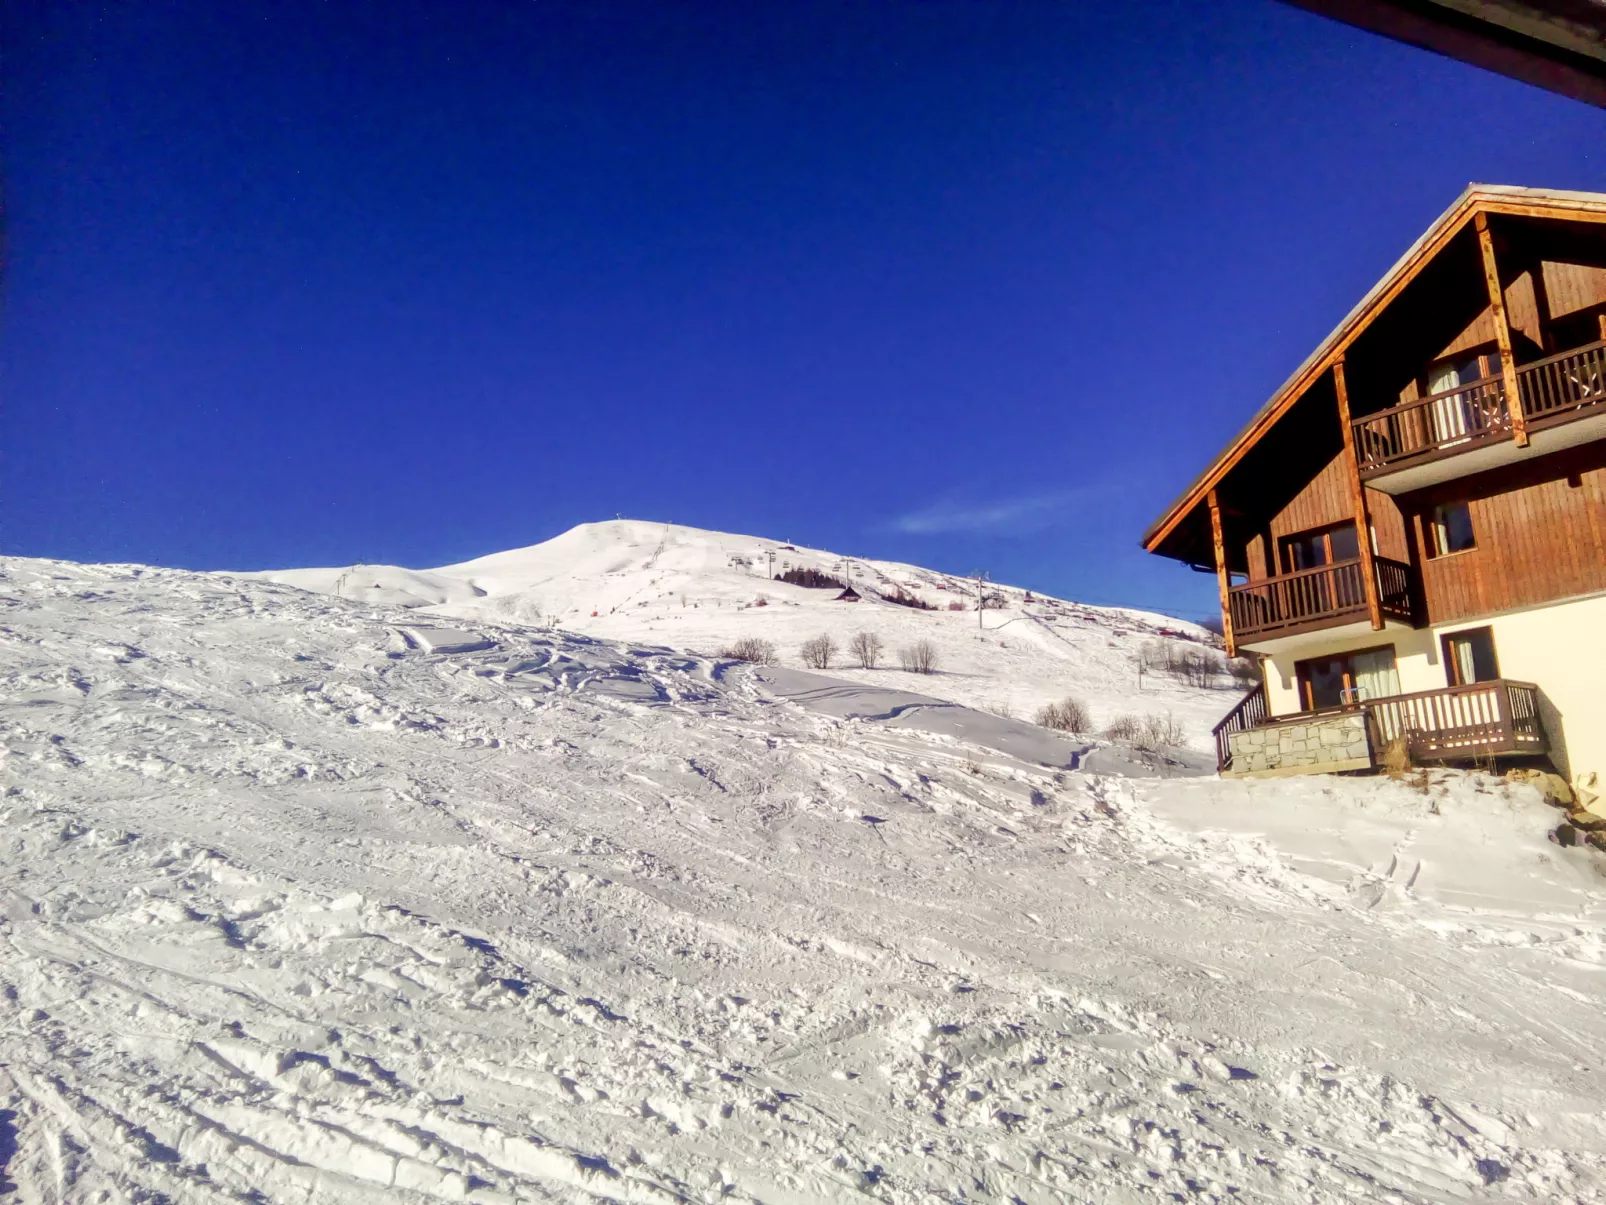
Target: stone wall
1336,742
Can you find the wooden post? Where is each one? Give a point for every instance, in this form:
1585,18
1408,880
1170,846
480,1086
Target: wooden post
1220,545
1502,331
1547,336
1357,493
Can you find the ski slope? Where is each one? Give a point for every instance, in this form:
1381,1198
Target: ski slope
297,906
697,590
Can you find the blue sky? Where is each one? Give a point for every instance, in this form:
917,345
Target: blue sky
975,286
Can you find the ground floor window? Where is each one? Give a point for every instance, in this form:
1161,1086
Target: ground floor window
1344,679
1469,657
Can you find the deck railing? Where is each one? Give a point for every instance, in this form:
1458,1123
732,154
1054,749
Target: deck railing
1455,419
1455,723
1461,721
1559,387
1250,713
1312,597
1555,390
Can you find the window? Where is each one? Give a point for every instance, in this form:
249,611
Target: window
1450,529
1320,546
1457,416
1347,678
1469,657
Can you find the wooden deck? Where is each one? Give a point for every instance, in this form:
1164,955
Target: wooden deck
1317,598
1556,390
1499,718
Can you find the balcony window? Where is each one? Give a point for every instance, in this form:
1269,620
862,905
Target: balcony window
1469,657
1457,417
1345,679
1320,546
1450,528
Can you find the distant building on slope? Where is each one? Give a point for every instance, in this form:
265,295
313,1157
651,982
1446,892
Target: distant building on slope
1411,533
848,595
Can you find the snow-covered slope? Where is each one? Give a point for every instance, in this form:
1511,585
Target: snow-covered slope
698,590
292,909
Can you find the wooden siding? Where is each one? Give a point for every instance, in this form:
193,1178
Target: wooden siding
1571,289
1540,529
1325,501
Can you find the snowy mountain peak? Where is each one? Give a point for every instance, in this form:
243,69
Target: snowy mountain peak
687,588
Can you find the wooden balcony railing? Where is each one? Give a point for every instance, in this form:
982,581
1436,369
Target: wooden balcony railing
1441,423
1461,721
1456,723
1250,713
1320,597
1559,388
1555,390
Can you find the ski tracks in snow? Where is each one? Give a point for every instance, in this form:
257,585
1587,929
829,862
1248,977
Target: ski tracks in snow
292,912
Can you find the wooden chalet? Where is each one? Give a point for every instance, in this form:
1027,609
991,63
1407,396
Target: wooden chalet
1411,533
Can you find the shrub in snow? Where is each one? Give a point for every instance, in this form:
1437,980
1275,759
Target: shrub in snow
1124,728
866,646
919,657
754,649
817,653
1153,732
1070,714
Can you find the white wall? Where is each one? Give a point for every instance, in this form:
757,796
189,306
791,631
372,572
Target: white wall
1561,648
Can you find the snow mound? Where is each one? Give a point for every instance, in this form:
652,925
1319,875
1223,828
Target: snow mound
293,911
446,640
380,585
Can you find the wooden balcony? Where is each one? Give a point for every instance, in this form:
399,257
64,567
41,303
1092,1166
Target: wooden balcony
1311,599
1557,391
1484,719
1499,718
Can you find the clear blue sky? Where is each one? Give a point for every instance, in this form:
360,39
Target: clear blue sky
956,283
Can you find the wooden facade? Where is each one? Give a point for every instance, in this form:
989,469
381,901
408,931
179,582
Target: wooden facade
1540,529
1440,459
1324,502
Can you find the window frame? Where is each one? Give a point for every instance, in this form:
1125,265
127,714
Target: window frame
1286,543
1431,525
1302,677
1487,355
1452,668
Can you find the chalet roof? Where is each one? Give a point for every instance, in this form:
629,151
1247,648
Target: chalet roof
1489,198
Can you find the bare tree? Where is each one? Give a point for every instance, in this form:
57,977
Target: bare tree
867,647
1161,731
1070,714
919,657
1125,728
817,653
1151,732
754,649
1199,667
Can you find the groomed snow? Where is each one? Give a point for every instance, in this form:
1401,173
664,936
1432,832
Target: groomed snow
297,910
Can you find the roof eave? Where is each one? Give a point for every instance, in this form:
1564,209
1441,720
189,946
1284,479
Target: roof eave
1491,198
